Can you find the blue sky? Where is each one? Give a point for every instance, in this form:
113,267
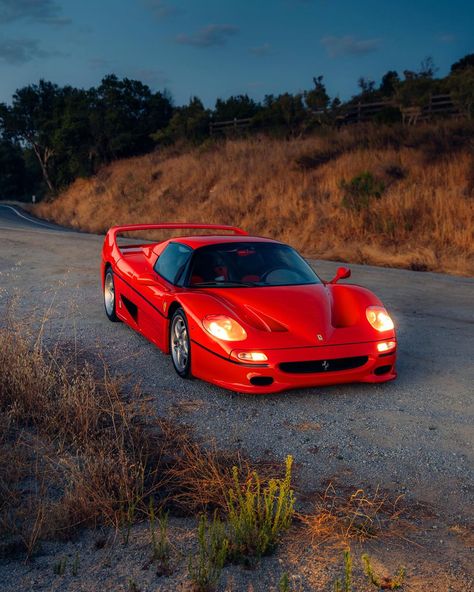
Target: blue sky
213,48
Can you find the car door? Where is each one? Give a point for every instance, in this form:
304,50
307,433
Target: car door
153,312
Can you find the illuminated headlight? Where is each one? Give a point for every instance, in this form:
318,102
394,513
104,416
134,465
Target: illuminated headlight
386,346
379,318
252,356
224,328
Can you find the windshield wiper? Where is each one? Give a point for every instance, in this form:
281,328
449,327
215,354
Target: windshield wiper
224,283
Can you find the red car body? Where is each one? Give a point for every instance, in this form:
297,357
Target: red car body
311,335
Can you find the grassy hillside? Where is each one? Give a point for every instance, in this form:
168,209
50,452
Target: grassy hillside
390,196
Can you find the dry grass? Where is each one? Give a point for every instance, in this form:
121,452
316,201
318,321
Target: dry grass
76,450
293,191
340,518
84,452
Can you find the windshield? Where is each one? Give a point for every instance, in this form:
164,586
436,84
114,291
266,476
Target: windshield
248,265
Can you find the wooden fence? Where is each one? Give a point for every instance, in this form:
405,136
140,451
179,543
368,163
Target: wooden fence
438,105
233,125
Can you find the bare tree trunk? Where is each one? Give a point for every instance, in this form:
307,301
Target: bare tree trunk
43,160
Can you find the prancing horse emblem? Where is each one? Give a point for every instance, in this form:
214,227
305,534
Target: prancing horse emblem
320,337
325,365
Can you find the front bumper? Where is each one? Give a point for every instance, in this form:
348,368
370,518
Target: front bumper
305,367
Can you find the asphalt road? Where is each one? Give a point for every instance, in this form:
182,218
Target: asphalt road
413,435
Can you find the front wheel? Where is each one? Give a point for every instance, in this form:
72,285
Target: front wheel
109,296
180,345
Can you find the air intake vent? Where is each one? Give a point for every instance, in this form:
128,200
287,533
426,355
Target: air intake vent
313,366
261,380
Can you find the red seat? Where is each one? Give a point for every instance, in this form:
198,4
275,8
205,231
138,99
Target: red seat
250,278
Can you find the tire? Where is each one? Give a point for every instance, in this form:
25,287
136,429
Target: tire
109,296
180,344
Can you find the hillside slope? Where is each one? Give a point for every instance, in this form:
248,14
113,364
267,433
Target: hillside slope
415,209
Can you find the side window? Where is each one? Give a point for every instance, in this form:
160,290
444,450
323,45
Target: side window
171,262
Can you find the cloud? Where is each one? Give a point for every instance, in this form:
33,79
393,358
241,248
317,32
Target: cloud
100,64
210,36
48,12
150,76
20,51
261,50
349,45
447,38
159,8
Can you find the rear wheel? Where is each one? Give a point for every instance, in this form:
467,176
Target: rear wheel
180,344
109,296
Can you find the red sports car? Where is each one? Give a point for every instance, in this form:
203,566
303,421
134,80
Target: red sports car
246,313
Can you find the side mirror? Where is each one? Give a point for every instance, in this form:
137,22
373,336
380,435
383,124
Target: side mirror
341,274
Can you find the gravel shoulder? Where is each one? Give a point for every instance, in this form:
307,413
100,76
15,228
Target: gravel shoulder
413,436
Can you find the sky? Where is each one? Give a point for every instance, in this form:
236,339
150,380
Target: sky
219,48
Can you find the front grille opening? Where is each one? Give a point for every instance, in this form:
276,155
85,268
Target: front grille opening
382,370
312,366
261,380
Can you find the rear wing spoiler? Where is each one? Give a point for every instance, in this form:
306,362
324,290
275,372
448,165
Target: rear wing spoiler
112,233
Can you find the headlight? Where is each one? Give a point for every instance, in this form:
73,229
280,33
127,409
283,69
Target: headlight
379,319
224,328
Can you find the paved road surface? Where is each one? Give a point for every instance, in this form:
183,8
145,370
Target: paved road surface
413,435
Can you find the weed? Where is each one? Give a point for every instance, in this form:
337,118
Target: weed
345,585
133,586
75,565
127,518
284,583
381,582
360,190
205,569
160,544
360,515
59,568
259,514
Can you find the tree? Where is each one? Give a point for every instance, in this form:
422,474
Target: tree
427,68
466,62
31,119
235,107
367,86
12,170
460,85
317,99
389,83
125,114
189,122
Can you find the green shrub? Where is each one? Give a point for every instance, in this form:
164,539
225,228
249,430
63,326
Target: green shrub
381,582
259,514
360,190
205,569
159,538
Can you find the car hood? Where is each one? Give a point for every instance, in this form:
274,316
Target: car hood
297,316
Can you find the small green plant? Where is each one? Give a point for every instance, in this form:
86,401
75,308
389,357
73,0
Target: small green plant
133,586
75,565
59,567
284,583
360,190
159,540
205,569
127,518
380,582
258,515
346,585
